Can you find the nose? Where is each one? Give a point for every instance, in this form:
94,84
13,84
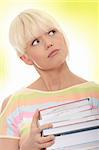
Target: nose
49,45
48,42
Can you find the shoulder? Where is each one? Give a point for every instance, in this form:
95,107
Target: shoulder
5,103
12,99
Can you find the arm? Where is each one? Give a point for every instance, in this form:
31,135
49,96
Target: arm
5,143
9,144
33,142
4,104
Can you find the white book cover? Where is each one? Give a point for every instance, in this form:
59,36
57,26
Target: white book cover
74,121
69,116
64,105
66,129
85,146
75,139
69,113
69,105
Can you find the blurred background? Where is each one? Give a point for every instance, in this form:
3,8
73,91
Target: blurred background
80,21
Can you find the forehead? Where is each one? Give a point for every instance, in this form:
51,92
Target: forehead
37,31
34,26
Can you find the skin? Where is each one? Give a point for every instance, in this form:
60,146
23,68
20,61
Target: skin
38,50
34,141
54,71
54,75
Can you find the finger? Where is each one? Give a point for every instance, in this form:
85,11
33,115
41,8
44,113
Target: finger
35,118
46,126
46,145
38,129
46,139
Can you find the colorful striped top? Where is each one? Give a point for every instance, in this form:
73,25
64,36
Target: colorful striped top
15,120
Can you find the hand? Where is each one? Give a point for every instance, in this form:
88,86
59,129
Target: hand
35,141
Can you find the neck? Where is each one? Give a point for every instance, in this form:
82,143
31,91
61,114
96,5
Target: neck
56,79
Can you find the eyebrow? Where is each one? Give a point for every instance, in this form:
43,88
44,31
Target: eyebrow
38,36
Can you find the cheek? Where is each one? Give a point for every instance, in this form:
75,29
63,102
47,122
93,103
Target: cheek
61,43
37,57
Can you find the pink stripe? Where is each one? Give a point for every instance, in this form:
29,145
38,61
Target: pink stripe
19,118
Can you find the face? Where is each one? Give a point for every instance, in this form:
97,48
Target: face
48,50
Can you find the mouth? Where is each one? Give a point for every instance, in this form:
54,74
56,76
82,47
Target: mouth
53,53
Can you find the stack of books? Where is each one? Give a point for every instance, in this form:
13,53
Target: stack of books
75,124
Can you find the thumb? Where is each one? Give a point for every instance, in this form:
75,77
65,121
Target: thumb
36,117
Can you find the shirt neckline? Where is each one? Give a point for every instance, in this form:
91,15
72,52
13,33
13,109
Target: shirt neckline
57,91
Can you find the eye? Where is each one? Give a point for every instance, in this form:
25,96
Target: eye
52,32
35,42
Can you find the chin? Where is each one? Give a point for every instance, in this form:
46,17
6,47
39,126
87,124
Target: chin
52,64
55,65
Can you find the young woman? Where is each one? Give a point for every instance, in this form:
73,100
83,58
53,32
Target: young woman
39,41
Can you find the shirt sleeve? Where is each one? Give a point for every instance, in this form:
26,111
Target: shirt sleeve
9,120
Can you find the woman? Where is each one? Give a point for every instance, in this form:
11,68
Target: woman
40,42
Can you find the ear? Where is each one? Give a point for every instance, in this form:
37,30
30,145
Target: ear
26,59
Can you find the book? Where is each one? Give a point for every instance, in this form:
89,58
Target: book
75,121
69,118
69,112
75,124
75,139
67,129
85,146
68,105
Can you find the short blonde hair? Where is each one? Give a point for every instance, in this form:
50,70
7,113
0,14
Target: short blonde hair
28,25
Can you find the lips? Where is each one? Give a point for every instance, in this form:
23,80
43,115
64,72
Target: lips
53,53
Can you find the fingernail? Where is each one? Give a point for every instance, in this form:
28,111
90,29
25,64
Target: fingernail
50,124
37,111
53,137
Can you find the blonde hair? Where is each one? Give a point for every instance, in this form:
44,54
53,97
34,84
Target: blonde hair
28,25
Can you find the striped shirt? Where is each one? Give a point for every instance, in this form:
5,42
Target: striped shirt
15,120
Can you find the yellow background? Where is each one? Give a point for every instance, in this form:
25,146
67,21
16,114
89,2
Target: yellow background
79,19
